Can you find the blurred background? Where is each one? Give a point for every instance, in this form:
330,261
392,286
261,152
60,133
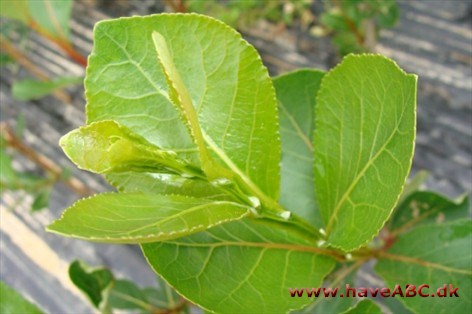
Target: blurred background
44,45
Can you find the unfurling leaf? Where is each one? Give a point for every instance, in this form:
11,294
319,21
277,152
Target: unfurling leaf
107,147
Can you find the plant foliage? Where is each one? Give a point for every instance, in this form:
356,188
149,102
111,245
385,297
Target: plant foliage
184,120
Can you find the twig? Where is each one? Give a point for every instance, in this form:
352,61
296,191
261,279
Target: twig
63,43
23,60
14,142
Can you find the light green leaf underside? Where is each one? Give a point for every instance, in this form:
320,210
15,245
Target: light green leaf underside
364,307
244,266
422,208
32,89
52,16
364,139
296,93
139,218
227,83
152,183
107,147
433,255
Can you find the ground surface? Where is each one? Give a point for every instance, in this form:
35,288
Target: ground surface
433,39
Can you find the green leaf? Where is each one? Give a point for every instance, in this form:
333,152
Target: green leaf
436,255
11,179
248,265
364,135
139,218
426,208
164,296
41,199
126,295
153,183
31,89
52,16
11,302
5,59
413,185
94,283
16,10
365,307
106,147
125,82
296,93
346,274
8,175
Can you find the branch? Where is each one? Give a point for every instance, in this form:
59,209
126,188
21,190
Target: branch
24,61
14,142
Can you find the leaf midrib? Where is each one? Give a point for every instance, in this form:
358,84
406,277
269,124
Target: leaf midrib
264,245
185,212
369,163
417,261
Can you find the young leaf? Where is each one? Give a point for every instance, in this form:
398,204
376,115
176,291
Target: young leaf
364,307
32,89
139,218
296,93
436,255
248,264
107,147
11,302
94,283
426,208
153,183
52,16
364,135
239,124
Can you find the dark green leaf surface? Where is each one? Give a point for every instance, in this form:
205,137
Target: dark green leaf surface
241,266
139,218
125,82
346,274
94,283
32,89
164,297
11,302
41,199
426,208
296,93
126,295
364,136
365,307
433,255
